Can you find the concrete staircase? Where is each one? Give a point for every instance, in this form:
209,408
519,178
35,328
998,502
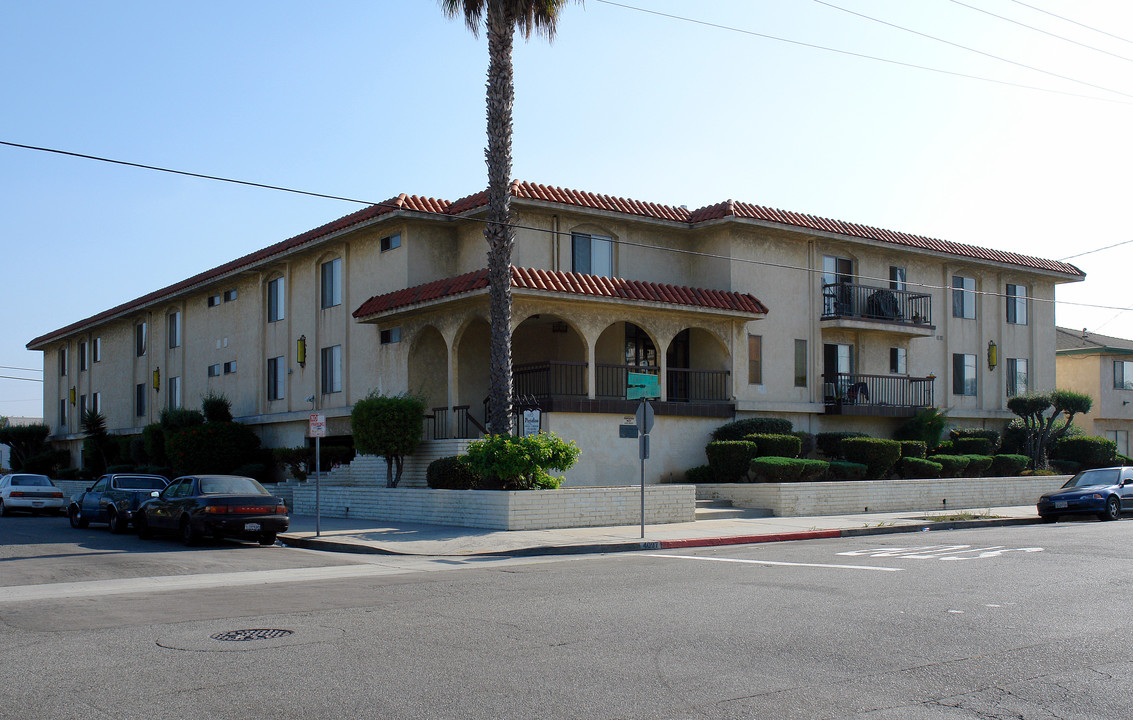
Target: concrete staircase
723,510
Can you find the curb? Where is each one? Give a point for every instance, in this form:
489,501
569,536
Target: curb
637,545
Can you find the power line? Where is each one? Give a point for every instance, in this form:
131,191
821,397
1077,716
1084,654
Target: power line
1040,30
1066,19
970,49
1091,252
10,377
851,53
9,367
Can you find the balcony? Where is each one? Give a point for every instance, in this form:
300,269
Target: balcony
877,395
867,307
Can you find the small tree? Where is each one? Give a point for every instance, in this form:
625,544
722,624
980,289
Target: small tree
216,407
1040,427
389,426
26,441
96,445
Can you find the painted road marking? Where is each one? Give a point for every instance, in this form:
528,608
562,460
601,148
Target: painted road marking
777,563
938,552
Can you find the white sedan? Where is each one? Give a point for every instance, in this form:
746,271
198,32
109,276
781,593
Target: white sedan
30,492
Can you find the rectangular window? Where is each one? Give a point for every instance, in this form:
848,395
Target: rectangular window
63,361
96,402
755,359
174,390
63,413
332,283
391,335
277,377
213,300
175,329
96,350
592,254
837,276
332,369
82,355
897,278
229,295
82,407
276,302
1123,374
963,297
1017,380
800,363
214,370
390,242
1121,438
963,374
1016,304
229,367
140,399
140,339
898,361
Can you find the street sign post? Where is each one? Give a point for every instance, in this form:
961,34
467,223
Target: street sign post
642,386
317,428
644,417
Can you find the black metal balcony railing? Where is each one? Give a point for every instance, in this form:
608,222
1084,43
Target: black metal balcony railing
685,385
550,377
854,393
850,300
612,380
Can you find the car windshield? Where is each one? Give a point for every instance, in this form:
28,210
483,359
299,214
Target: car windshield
30,480
231,486
1095,478
141,483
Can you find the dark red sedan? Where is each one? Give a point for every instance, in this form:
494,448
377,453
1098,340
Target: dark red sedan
200,506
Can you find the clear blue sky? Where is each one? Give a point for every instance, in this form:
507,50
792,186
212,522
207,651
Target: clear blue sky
371,99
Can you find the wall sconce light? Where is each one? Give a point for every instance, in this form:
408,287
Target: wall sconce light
156,379
301,351
992,355
73,393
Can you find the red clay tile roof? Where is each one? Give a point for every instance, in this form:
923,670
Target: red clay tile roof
570,283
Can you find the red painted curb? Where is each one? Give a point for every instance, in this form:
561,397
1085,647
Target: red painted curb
747,539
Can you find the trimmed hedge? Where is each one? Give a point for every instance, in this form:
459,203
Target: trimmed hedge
977,464
211,448
782,469
953,465
830,443
731,459
946,447
806,441
451,473
914,449
973,446
1008,465
878,455
787,446
962,433
842,470
739,429
918,468
1088,452
1065,467
699,474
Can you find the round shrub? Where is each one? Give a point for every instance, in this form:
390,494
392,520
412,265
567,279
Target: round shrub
952,465
1088,452
947,447
842,470
740,428
977,465
913,449
973,446
918,468
216,407
450,473
731,459
813,470
787,446
1009,465
830,443
699,474
521,463
961,433
776,469
1065,467
878,455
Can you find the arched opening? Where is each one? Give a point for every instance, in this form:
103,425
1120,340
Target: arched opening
697,367
428,367
548,358
622,347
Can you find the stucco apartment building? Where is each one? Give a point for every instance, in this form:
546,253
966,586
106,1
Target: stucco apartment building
1101,367
740,310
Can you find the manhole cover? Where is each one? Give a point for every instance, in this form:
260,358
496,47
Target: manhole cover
255,634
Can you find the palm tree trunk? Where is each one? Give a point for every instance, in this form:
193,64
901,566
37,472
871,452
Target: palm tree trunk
499,232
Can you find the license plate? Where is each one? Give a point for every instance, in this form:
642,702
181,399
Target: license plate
251,527
1060,503
37,503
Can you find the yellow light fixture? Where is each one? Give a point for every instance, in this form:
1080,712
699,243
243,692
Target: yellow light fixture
301,351
73,394
157,378
992,355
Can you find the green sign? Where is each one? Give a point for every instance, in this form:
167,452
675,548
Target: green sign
640,386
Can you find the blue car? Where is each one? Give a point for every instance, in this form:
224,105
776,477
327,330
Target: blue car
1105,492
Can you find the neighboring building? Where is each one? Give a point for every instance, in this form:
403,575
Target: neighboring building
1101,367
5,451
739,309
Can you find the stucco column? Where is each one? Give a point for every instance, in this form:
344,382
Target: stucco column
452,385
591,365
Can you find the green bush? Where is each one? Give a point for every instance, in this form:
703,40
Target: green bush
830,443
67,474
775,469
153,439
1124,459
842,470
211,448
256,470
731,459
176,419
48,462
973,446
925,426
913,449
961,433
700,474
511,463
787,446
1065,467
878,455
813,470
977,464
952,465
216,407
1088,452
807,444
165,472
451,473
947,447
740,428
1008,465
120,469
918,468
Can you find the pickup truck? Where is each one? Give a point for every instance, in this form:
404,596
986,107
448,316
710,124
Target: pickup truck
113,499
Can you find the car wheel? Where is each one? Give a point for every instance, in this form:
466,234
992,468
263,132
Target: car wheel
4,509
1112,510
142,527
114,521
189,534
1050,518
75,515
267,539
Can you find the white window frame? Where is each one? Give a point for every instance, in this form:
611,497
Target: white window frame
963,297
584,247
330,283
331,369
277,299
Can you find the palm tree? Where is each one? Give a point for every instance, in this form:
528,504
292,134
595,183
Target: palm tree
502,18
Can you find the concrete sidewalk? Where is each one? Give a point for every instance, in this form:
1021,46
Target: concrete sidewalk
380,537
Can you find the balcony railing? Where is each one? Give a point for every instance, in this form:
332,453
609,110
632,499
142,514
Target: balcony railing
685,385
550,377
850,300
613,380
890,395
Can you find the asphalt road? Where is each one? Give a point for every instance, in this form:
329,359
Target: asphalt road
1018,622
